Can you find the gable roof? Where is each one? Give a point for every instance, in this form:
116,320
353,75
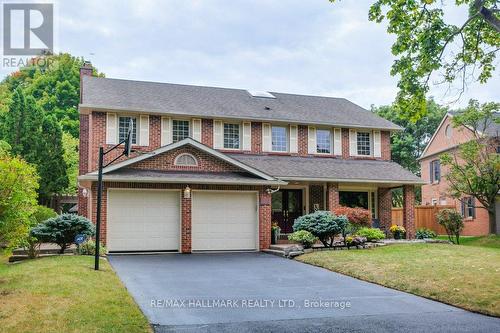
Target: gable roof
193,143
176,99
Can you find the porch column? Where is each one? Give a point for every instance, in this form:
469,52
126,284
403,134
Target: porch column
409,210
332,196
185,224
385,208
264,219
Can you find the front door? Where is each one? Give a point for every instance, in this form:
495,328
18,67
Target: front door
286,207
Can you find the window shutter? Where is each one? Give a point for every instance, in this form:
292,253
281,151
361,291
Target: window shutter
247,136
166,131
294,148
311,142
462,206
111,128
473,204
218,134
430,172
144,130
196,124
337,141
267,144
438,169
377,145
353,142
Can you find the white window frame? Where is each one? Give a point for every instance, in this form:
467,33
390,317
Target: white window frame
330,137
176,160
137,125
370,140
173,132
287,138
224,134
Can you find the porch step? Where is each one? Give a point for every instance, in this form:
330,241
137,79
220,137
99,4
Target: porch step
285,250
275,252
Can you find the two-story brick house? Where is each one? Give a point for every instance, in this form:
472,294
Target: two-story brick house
447,139
214,167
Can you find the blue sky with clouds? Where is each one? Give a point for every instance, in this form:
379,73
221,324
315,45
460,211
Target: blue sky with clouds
307,47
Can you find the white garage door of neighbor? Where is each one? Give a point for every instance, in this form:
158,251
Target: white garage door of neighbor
143,220
224,221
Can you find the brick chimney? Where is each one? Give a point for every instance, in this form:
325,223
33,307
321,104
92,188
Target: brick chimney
85,70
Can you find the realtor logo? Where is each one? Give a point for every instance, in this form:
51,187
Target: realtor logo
28,28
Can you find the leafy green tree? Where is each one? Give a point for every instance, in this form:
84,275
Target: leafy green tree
474,168
428,43
70,146
51,166
18,185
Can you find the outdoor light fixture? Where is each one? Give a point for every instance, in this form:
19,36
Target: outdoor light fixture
187,192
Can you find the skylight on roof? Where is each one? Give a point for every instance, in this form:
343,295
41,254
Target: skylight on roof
261,94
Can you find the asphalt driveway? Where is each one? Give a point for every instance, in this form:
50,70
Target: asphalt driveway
249,292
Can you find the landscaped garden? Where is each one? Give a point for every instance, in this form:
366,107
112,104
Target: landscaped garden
65,294
464,276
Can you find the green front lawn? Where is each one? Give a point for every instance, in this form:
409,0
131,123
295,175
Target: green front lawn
65,294
492,241
465,276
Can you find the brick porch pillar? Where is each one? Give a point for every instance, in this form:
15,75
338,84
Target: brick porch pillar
186,225
409,210
264,219
332,196
385,208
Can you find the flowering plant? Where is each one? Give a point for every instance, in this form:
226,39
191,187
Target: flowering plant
275,227
397,228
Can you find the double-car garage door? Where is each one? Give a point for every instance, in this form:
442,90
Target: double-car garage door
150,220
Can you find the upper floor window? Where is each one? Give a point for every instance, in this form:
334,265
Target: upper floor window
448,131
364,145
185,160
323,141
468,207
435,171
123,127
231,136
279,138
180,130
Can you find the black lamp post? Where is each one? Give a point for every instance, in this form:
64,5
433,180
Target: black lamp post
126,152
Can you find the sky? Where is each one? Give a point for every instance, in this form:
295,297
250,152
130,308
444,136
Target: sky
309,47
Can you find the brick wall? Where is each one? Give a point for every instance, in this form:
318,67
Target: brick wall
207,132
316,196
385,142
409,210
264,208
332,196
256,138
302,140
385,207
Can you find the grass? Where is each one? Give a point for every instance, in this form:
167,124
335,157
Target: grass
464,276
65,294
492,241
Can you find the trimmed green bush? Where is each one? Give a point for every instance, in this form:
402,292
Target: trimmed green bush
452,222
88,248
323,225
371,234
303,237
423,233
62,230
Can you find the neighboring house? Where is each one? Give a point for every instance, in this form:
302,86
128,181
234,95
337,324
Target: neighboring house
447,139
214,167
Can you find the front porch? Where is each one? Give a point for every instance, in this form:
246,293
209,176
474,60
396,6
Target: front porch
300,198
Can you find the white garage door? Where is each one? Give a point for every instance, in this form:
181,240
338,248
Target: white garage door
143,220
224,221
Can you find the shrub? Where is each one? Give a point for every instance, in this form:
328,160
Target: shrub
358,217
88,248
425,233
398,231
40,215
62,230
323,225
355,241
371,234
452,222
303,237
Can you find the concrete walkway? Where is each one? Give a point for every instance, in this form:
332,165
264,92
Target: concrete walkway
249,292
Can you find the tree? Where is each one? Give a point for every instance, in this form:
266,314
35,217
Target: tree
322,224
51,166
63,229
452,222
474,168
71,158
427,43
18,185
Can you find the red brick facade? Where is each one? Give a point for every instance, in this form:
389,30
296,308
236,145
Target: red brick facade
385,208
409,210
316,196
332,196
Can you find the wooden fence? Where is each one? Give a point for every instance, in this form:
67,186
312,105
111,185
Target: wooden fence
425,217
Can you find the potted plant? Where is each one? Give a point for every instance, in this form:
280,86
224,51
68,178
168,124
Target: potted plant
398,231
275,233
